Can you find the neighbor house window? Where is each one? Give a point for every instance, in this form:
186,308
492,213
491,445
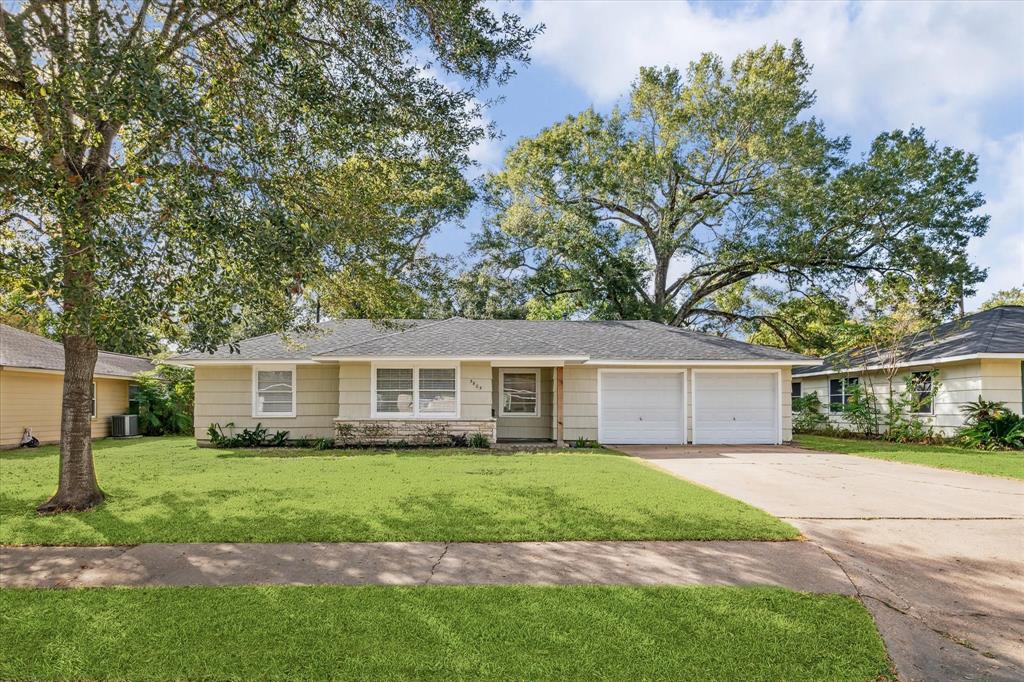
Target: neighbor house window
796,389
92,398
416,391
273,391
133,398
840,393
921,386
519,393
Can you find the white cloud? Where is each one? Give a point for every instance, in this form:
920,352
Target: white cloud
877,66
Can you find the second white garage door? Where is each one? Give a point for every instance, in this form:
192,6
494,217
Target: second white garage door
641,407
735,407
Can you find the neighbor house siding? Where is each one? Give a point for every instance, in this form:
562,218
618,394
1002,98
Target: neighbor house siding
959,383
33,399
1003,380
224,394
526,428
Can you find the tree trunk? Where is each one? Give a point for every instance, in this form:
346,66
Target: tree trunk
78,489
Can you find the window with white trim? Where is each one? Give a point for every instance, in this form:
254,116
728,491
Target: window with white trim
841,392
519,393
416,392
273,392
921,384
796,389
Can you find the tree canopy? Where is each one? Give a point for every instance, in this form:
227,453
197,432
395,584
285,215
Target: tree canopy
712,198
194,166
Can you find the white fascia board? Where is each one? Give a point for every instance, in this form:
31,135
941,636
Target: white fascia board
192,362
702,363
40,370
914,363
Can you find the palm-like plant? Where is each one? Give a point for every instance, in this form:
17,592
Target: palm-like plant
982,410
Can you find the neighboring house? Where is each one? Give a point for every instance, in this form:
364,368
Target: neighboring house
610,381
32,386
978,355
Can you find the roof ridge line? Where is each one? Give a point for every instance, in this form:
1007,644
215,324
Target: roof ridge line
385,336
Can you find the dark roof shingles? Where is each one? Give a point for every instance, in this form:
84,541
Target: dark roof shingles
22,349
997,330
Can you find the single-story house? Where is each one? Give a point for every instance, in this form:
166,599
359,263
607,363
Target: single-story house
32,387
609,381
978,355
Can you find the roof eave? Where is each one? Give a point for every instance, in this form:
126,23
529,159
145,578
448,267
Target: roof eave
916,363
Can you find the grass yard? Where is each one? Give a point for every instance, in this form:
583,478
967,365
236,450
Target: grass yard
169,490
1007,464
437,633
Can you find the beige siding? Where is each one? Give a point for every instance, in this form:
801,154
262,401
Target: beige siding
476,385
224,394
580,393
354,390
526,428
33,399
959,382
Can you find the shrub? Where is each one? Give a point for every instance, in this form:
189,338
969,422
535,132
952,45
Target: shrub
164,400
278,440
479,440
459,440
323,443
998,430
807,414
433,433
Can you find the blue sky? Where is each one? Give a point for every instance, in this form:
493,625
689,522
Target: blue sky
957,69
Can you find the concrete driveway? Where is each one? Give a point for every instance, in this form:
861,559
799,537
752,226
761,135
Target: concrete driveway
936,556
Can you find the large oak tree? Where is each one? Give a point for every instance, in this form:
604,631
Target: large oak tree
198,164
712,198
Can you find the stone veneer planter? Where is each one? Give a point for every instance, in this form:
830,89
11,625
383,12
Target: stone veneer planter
413,431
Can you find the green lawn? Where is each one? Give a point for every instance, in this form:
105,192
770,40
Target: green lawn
1008,464
437,633
168,490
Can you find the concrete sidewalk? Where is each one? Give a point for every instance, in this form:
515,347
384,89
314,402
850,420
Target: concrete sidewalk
796,565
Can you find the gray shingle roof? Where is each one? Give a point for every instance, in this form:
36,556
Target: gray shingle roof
329,335
21,349
998,330
458,337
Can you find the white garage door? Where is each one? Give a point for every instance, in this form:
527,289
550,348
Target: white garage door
642,407
735,407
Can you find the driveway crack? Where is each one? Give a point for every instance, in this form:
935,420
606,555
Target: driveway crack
433,568
904,611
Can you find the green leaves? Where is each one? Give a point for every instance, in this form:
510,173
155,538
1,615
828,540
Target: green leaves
188,170
714,200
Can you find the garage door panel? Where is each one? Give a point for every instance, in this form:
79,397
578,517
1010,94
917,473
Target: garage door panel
736,407
642,407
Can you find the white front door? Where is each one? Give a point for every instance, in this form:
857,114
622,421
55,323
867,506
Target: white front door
641,407
735,407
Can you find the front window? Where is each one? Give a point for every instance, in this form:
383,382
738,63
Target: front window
274,392
416,391
841,393
921,386
519,393
797,389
